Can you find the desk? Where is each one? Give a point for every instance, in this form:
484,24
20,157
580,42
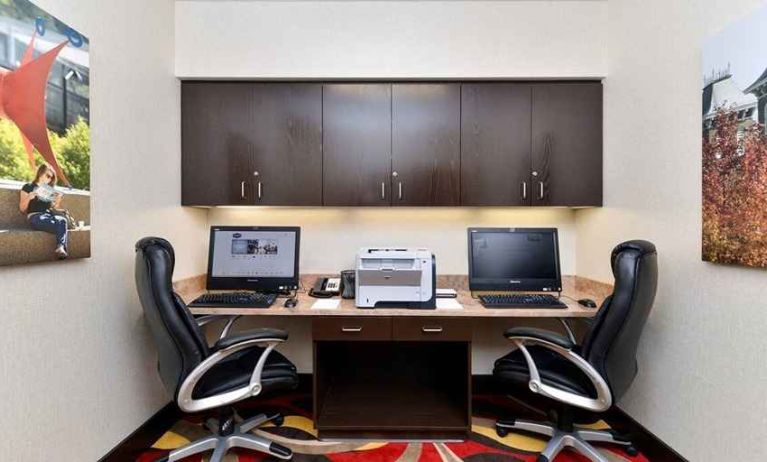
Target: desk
389,373
574,287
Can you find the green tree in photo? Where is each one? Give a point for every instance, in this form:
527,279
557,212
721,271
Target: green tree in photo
74,154
72,151
13,158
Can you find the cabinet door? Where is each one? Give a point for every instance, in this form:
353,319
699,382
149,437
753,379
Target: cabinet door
426,150
567,144
216,143
495,144
357,144
287,143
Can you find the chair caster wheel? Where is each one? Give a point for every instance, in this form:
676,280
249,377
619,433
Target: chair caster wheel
501,431
631,450
542,458
279,420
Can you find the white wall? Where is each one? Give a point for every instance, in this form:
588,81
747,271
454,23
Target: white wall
701,381
401,39
77,364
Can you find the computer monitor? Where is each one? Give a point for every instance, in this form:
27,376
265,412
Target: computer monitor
259,258
514,259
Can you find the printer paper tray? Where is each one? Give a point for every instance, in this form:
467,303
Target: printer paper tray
407,278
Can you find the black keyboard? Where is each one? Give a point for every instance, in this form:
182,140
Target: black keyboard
235,300
521,301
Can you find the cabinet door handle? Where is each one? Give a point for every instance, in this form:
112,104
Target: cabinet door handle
351,329
431,330
383,191
524,190
400,190
242,190
540,190
259,190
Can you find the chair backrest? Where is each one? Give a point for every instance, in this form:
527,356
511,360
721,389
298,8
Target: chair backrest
611,343
180,344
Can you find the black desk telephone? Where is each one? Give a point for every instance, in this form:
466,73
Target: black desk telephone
329,287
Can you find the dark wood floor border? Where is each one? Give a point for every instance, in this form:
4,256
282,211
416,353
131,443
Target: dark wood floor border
145,436
141,439
655,449
650,445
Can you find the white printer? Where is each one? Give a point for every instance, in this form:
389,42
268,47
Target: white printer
395,277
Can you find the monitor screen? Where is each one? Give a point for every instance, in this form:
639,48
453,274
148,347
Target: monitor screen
514,259
253,258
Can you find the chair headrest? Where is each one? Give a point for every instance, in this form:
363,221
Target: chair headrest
644,248
143,244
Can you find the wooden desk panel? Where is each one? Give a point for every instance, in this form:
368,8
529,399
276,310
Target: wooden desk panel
352,329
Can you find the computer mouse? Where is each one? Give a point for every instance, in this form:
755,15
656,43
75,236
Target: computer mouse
290,303
587,302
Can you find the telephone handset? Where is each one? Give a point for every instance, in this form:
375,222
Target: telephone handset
326,287
329,287
347,283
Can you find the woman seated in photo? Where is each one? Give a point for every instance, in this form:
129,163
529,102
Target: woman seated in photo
38,200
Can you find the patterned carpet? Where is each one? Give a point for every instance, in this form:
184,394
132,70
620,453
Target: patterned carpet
298,433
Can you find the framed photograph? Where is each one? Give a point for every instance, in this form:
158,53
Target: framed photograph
734,142
45,154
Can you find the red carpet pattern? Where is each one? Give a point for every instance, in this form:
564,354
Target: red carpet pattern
298,434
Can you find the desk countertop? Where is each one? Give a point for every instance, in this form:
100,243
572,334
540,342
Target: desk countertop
574,289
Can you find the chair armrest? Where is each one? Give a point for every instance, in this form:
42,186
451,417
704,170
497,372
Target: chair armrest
540,334
255,334
601,403
568,329
209,318
184,398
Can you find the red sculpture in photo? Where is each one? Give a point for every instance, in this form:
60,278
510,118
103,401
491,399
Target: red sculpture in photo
22,100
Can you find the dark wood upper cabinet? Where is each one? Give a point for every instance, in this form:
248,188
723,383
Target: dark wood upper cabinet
251,144
392,143
357,144
217,143
567,144
426,151
287,143
495,144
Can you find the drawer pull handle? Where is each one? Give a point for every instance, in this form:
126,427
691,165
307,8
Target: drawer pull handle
432,330
351,329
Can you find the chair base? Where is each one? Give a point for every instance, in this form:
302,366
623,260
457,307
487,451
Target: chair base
575,439
230,435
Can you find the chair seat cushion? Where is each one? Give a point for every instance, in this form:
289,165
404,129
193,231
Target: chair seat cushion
554,370
235,371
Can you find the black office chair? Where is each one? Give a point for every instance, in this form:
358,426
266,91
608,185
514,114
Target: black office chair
579,382
200,377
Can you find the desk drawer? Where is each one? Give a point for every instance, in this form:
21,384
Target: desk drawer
432,329
351,328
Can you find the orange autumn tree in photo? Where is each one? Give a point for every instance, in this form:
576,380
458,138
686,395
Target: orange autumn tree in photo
734,192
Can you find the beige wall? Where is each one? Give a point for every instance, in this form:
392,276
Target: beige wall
405,39
77,365
702,377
